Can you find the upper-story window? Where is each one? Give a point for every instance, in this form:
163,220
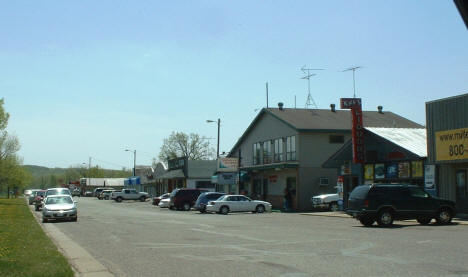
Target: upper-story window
257,148
291,148
267,154
278,150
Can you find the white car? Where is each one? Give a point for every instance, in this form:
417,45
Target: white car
237,203
59,207
326,201
164,203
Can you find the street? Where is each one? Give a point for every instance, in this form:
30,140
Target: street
139,239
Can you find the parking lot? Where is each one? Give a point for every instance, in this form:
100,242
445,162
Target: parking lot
139,239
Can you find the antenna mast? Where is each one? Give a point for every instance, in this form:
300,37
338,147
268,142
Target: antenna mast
310,101
354,80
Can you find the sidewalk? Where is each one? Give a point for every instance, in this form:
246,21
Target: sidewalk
461,219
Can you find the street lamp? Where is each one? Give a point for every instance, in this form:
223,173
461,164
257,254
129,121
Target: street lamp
219,123
134,159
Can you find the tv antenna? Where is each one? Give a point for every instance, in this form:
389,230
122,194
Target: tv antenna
310,101
354,68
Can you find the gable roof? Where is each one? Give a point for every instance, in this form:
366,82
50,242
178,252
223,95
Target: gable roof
413,140
324,120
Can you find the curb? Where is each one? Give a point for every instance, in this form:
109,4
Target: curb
83,264
343,215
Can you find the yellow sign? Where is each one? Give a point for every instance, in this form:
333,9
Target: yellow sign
417,169
369,171
451,144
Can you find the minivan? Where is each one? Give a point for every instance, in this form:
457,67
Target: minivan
184,199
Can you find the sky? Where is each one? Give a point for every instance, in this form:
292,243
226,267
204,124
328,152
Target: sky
87,79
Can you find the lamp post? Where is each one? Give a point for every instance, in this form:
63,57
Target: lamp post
219,124
134,159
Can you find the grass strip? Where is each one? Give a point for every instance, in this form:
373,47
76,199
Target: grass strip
25,250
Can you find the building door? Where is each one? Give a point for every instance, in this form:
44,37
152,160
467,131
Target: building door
462,191
265,189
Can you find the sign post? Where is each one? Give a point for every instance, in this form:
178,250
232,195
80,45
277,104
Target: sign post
357,127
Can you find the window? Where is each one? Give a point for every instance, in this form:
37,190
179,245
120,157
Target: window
336,139
256,153
291,148
278,144
324,181
419,193
267,152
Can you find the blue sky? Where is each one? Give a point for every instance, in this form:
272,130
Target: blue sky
92,78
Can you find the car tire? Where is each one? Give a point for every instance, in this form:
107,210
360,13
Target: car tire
44,220
334,206
444,216
36,208
385,218
186,206
203,211
142,199
224,210
74,219
424,220
107,197
367,221
118,199
260,209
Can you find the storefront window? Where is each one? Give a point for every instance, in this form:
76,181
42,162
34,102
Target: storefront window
256,153
291,148
267,155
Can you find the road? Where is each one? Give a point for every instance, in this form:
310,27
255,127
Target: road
139,239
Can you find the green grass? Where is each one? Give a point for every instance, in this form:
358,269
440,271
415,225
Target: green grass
25,250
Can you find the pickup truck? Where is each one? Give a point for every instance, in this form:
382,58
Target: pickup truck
129,194
327,201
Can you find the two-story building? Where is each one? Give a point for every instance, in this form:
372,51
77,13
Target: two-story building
284,150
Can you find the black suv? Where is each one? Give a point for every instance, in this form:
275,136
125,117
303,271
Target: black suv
387,202
184,199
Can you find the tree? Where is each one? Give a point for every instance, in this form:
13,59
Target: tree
12,174
180,144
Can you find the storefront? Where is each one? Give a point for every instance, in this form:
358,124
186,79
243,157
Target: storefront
447,129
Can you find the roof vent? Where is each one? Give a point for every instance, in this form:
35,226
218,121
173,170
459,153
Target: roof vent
379,108
332,107
280,106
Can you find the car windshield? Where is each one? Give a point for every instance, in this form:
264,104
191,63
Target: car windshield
59,200
40,193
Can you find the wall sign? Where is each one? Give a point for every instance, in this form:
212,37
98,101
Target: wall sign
227,164
404,170
357,127
451,145
392,171
369,171
379,170
417,169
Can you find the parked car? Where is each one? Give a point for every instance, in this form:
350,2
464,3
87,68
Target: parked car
326,201
38,199
157,199
129,194
88,193
184,199
204,198
237,203
106,194
164,203
76,192
385,203
27,193
98,191
59,207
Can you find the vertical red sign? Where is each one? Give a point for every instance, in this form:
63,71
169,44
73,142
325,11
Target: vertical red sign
357,127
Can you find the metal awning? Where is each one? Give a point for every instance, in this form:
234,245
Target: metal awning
411,139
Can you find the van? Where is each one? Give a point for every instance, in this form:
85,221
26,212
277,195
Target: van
184,199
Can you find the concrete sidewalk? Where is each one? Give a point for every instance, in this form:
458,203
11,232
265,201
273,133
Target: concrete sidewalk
459,219
83,264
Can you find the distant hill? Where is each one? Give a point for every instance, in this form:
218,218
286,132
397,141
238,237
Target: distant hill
38,171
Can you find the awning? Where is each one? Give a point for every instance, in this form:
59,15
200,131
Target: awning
173,174
271,166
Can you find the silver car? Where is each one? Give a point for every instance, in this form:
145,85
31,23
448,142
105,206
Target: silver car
59,207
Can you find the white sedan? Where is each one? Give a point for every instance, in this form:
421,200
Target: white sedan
164,203
237,203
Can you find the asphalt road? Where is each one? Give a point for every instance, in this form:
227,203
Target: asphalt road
139,239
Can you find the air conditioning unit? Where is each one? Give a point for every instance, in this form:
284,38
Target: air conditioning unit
324,181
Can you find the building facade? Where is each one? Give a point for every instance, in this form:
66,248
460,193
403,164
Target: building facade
447,138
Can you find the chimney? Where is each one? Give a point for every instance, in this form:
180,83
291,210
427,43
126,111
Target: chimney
332,107
379,108
280,106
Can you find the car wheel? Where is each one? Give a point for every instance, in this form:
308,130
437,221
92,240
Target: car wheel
224,210
203,211
385,218
367,221
44,220
74,219
107,197
260,209
142,199
186,206
424,220
444,216
118,199
36,208
334,207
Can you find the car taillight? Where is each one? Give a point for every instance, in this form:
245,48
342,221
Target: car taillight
366,203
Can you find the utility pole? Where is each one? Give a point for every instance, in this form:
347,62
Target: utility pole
267,93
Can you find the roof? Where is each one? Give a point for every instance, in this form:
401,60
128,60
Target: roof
325,120
411,139
201,168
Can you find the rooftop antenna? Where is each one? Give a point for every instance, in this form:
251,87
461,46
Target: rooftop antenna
310,101
354,80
